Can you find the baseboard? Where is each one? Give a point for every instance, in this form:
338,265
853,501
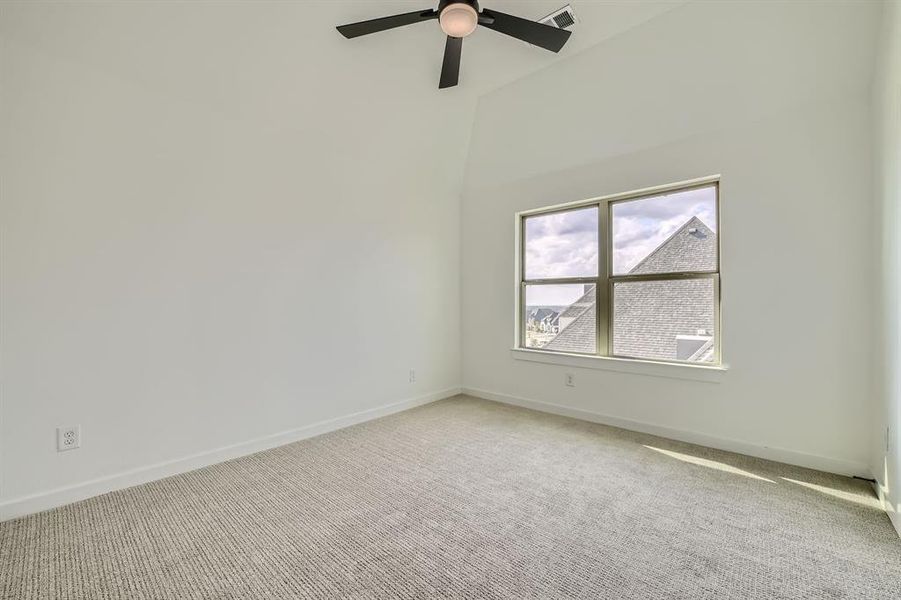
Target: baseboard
893,515
18,507
895,518
791,457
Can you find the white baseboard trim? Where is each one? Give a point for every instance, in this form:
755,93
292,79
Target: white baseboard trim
791,457
895,518
26,505
893,515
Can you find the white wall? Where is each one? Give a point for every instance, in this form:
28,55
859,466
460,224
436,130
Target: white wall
219,222
887,127
210,234
772,96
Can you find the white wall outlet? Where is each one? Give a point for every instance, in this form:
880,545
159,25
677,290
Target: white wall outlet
412,376
570,380
68,438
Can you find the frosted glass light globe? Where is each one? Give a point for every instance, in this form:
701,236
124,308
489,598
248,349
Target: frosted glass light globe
458,20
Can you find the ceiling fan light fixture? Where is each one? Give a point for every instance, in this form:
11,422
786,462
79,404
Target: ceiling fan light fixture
458,19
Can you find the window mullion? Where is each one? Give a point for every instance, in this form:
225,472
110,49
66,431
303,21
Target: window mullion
665,276
560,281
602,287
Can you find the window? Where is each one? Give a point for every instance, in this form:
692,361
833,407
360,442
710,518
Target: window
631,276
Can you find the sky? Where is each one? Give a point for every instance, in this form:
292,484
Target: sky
639,226
566,244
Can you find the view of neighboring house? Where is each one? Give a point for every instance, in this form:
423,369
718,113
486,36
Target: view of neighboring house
662,320
544,320
579,334
542,325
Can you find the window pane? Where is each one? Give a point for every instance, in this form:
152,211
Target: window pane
666,234
664,320
563,244
561,317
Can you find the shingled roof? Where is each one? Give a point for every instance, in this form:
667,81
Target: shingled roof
541,314
691,248
649,315
577,333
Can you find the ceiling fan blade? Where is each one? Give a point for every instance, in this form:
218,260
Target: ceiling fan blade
353,30
533,32
450,70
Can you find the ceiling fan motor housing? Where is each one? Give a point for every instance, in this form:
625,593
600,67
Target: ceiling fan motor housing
445,3
458,19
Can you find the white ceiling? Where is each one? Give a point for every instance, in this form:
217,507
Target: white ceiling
288,57
491,60
281,70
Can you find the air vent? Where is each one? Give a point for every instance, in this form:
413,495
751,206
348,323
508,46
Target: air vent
561,19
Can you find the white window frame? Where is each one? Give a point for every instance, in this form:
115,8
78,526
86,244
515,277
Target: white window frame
605,279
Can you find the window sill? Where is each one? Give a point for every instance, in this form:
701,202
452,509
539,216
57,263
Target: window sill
705,373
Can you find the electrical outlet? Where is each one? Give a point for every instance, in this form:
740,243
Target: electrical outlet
570,380
68,438
412,376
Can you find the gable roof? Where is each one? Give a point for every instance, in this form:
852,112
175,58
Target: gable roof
540,314
652,313
579,334
692,247
578,307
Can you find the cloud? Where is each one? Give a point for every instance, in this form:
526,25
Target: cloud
565,244
562,244
640,226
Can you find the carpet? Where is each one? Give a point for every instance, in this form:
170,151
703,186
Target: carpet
466,498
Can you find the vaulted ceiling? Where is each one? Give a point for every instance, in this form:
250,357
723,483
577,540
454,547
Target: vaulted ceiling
490,60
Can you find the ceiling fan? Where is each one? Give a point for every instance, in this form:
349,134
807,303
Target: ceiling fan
458,19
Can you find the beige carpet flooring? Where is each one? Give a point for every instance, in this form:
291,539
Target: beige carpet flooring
466,499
